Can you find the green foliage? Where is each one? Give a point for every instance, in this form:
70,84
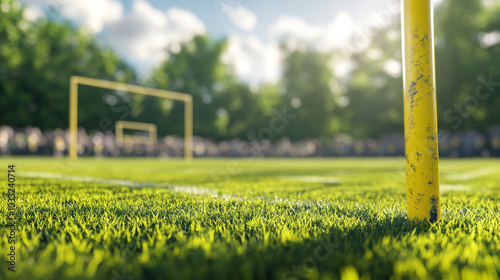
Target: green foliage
223,106
196,70
268,219
36,62
375,96
306,81
462,60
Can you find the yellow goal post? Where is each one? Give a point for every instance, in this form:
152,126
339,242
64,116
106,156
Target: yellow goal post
73,108
122,125
420,111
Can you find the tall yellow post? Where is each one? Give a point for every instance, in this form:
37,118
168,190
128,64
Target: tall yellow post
188,130
73,119
420,116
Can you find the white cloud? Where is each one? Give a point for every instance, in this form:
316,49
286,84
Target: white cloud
184,23
256,62
253,60
144,34
92,14
242,18
298,33
141,36
294,30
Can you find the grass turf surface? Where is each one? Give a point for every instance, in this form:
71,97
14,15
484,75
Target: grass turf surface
247,219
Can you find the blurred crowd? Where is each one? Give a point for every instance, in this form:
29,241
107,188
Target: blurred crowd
33,141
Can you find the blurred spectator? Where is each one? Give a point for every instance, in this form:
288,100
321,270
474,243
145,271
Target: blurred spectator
32,141
494,137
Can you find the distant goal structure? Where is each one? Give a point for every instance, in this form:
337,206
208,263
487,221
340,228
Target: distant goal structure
75,81
120,137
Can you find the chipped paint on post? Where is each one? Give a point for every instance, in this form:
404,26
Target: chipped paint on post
420,116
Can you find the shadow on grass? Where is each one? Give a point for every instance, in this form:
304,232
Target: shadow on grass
364,246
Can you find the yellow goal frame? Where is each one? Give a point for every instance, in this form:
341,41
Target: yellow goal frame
121,138
73,108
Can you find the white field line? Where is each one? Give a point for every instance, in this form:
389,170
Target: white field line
313,179
448,187
474,174
125,183
181,189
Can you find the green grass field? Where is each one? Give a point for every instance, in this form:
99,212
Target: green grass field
247,219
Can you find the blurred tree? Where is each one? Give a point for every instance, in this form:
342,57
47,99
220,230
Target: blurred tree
36,62
374,91
222,105
307,93
195,69
464,57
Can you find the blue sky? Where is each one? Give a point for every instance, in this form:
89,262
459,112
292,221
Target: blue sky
140,30
313,11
